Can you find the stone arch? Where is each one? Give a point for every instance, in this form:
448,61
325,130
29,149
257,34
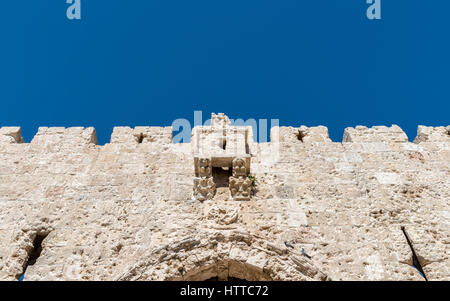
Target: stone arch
223,255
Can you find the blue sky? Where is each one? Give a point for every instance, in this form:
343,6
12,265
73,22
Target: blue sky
149,62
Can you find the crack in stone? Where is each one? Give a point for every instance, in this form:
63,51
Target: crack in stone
415,259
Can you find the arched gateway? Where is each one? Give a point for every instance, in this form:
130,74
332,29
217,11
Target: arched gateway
223,256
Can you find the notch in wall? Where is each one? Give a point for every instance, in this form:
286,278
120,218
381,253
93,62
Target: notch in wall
140,138
300,135
33,253
11,135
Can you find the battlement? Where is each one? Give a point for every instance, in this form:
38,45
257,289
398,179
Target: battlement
375,134
142,134
432,134
11,135
65,136
164,135
299,134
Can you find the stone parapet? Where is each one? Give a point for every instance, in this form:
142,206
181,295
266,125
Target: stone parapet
11,135
142,134
432,134
375,134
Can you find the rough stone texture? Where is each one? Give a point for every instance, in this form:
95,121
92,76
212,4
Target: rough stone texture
320,210
10,135
375,134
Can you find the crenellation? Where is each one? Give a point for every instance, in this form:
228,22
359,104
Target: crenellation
432,134
375,134
160,135
142,134
284,134
123,134
299,135
11,135
314,134
73,136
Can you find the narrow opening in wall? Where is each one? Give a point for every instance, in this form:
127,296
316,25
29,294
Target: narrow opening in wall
301,135
224,144
415,259
222,176
140,138
34,253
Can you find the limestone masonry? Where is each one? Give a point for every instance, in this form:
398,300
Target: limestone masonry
301,207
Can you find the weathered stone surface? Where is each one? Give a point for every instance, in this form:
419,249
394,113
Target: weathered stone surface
11,135
375,134
319,209
432,134
301,134
142,134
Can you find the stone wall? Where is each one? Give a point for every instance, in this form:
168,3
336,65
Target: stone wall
320,209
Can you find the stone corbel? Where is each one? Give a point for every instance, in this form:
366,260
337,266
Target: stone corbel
240,185
204,186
